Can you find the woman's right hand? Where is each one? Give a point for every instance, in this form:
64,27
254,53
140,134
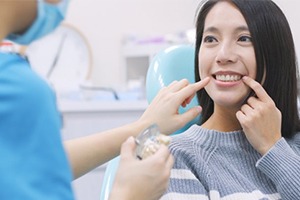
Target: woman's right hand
260,118
163,110
145,179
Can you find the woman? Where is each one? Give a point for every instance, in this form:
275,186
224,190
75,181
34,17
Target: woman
248,143
34,164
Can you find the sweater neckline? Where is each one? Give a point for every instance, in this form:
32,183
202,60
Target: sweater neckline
217,138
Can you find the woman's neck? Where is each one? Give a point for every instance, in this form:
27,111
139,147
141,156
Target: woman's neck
223,119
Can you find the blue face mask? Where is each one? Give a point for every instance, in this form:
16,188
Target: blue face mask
49,16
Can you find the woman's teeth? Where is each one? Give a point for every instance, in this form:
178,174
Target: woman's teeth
228,78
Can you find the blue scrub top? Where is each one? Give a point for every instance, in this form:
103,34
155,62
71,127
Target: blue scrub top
33,163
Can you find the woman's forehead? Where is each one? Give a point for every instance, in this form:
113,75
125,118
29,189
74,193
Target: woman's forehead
226,14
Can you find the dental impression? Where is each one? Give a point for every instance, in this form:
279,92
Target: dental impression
149,141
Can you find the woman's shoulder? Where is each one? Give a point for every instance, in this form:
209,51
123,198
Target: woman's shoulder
186,136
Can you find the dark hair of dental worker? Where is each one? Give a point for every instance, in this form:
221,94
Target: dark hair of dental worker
275,57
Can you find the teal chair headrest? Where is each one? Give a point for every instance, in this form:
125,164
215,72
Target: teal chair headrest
173,63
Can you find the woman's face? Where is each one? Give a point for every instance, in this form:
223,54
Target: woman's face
226,55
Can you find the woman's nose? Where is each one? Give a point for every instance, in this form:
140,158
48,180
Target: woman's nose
226,53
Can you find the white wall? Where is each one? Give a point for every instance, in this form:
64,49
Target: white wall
105,22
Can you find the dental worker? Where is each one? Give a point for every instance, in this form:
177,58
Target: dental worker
35,163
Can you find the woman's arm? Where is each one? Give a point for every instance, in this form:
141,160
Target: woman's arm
88,152
282,165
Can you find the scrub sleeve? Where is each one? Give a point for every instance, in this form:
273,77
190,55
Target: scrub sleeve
33,163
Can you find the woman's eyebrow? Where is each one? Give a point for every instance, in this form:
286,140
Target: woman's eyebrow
213,29
242,28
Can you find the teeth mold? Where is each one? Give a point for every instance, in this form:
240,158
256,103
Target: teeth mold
149,141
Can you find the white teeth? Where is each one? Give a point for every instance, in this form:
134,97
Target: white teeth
228,78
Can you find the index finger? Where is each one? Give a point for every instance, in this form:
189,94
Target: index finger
193,88
201,84
189,91
257,88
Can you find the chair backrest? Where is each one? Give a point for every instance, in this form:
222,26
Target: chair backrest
173,63
109,178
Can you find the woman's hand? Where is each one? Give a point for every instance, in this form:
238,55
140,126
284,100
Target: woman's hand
260,118
163,110
141,179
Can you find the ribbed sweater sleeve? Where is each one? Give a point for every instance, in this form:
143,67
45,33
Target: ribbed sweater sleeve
282,165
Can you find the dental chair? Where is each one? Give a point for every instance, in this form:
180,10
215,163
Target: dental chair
173,63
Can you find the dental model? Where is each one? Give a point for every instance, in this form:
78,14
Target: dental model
149,141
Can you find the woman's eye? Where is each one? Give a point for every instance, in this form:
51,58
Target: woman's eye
245,39
209,39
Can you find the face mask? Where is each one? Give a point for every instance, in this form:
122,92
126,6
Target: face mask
49,16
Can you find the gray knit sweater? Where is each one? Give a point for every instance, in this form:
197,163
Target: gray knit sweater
216,165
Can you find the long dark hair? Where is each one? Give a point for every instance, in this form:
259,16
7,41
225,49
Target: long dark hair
275,53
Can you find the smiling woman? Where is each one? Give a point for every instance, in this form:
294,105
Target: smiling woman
247,146
226,54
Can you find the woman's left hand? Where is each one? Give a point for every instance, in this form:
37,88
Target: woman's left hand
260,118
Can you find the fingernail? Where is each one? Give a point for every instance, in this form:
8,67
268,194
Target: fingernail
199,108
131,138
